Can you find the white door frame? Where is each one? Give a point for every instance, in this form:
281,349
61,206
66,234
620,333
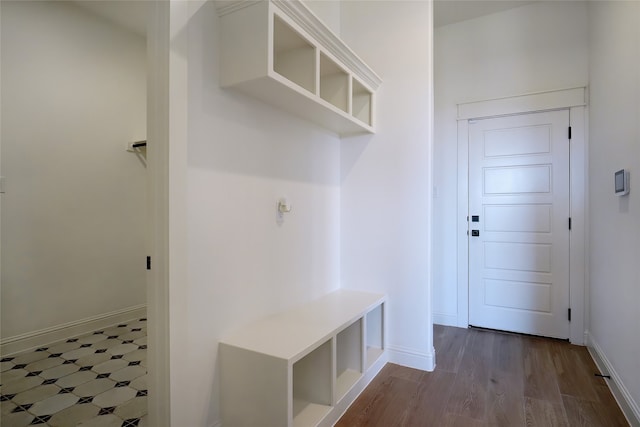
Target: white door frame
166,156
157,221
573,99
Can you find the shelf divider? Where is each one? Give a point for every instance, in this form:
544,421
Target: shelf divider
374,341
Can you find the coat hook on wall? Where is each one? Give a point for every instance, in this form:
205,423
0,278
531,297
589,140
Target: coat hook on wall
282,207
135,146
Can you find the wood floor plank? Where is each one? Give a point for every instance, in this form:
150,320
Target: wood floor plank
505,400
450,344
505,397
478,352
574,373
507,354
587,413
540,380
433,395
454,420
439,331
469,393
357,413
403,372
609,405
489,379
388,408
540,413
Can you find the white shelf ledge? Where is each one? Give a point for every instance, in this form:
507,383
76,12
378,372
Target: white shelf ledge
308,414
292,334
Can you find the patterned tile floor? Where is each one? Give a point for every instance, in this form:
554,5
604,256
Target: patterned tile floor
99,379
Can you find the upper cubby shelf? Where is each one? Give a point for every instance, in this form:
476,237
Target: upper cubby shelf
280,52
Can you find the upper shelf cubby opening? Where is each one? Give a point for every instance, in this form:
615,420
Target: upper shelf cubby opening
362,102
293,57
334,83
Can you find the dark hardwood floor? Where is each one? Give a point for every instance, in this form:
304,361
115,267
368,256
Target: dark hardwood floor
487,378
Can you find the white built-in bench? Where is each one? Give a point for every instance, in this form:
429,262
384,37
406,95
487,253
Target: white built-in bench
305,366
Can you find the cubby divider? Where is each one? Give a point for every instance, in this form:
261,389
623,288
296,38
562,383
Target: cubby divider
374,321
349,345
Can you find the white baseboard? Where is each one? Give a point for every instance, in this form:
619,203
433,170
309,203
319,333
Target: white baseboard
626,402
412,358
42,337
445,319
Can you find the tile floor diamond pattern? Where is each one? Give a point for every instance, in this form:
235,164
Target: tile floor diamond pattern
98,379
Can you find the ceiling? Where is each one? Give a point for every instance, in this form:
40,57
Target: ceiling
132,14
452,11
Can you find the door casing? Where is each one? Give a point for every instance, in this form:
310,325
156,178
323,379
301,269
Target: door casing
573,99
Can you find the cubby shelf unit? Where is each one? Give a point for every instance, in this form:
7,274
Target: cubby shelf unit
305,366
280,52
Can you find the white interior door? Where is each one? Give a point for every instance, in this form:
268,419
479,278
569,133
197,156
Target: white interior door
519,223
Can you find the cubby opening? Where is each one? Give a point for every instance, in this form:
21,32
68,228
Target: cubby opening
361,102
294,58
374,334
312,386
348,358
334,83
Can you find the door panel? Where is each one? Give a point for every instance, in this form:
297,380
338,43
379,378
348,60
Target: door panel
513,180
518,141
523,257
518,218
519,254
520,295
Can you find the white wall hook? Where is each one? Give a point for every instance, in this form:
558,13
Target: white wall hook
284,206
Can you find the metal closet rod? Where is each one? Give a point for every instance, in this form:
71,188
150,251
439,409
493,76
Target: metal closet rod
139,144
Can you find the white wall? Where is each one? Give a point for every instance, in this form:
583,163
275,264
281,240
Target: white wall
532,48
328,11
614,139
386,178
73,94
242,155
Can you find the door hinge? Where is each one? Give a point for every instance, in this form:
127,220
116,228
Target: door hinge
569,223
148,263
569,132
569,314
